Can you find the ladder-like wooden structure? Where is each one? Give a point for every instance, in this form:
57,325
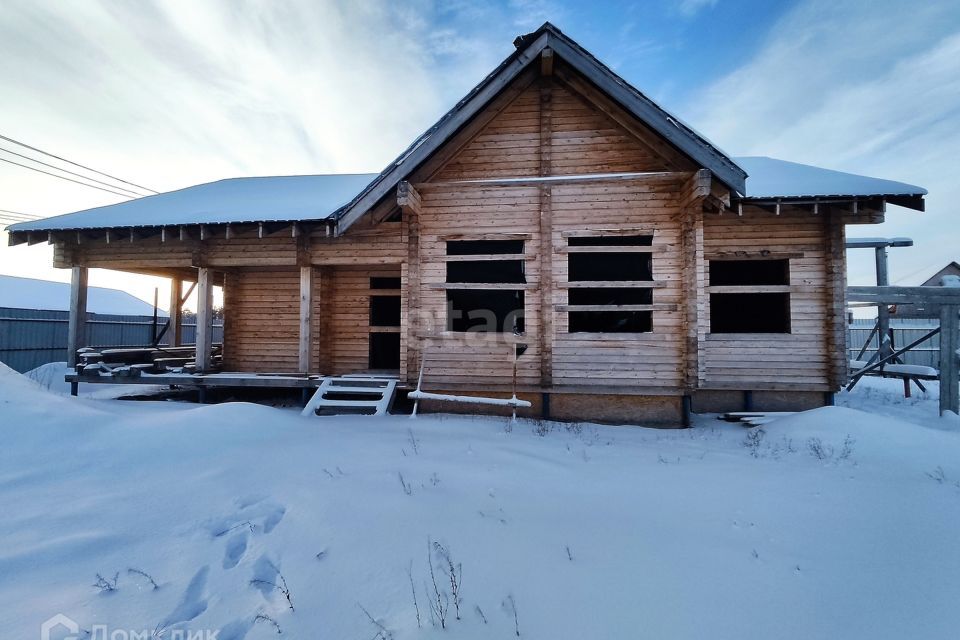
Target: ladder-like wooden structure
366,395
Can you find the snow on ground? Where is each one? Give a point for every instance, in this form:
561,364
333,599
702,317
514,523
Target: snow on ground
834,523
50,377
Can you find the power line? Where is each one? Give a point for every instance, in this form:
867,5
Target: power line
18,213
77,164
73,173
86,184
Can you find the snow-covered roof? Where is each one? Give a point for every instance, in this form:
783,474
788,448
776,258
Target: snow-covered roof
772,178
321,197
235,200
30,293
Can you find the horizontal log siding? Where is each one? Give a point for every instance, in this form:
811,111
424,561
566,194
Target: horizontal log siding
582,140
509,146
653,360
262,314
474,358
585,140
799,360
348,320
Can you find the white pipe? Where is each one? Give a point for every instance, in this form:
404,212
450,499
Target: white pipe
443,397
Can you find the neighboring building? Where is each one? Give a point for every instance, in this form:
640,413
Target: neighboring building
34,316
922,311
952,269
47,295
555,216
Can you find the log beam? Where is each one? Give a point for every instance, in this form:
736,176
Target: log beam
408,198
546,221
176,312
204,319
77,327
306,318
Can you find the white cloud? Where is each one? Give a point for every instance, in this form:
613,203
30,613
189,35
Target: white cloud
179,92
692,7
871,88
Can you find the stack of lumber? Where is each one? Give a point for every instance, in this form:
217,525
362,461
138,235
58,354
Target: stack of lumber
132,361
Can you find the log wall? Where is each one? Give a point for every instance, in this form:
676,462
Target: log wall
551,128
801,358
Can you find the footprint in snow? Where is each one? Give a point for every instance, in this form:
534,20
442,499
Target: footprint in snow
193,602
253,515
273,518
265,576
236,547
236,630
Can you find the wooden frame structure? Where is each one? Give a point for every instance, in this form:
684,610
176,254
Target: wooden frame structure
553,186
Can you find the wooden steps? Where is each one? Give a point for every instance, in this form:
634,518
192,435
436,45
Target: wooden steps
352,395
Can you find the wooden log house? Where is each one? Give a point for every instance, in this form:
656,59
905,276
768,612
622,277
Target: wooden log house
556,232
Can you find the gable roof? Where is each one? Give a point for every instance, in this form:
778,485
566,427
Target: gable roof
46,295
951,269
236,200
528,49
771,179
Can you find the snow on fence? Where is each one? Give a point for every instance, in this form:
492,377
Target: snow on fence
30,338
904,332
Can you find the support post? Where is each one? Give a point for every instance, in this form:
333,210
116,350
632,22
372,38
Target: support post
77,328
204,319
546,225
949,343
306,318
410,202
176,312
883,310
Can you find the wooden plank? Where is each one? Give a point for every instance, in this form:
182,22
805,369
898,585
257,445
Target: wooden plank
615,307
634,176
593,284
595,233
767,288
904,295
483,257
482,285
612,249
306,319
77,326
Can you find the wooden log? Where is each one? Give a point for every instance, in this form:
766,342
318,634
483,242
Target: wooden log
306,318
408,198
204,319
176,312
546,221
77,327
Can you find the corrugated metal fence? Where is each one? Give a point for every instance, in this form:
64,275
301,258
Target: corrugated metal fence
30,338
904,332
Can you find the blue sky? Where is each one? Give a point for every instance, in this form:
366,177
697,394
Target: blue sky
180,92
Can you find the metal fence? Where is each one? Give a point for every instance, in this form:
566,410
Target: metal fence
30,338
904,332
